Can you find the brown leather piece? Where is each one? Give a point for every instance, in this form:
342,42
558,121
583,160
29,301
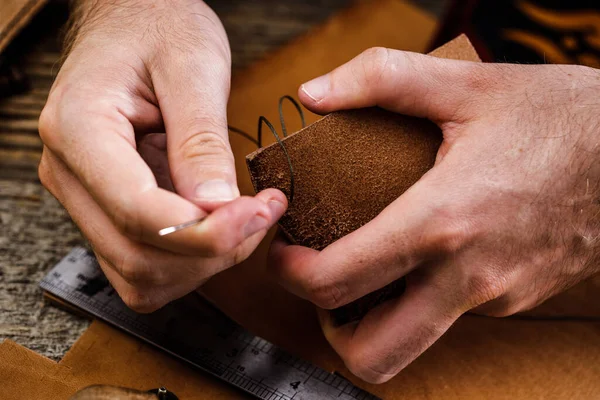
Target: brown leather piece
347,168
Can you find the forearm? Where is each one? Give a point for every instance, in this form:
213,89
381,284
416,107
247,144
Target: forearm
152,21
79,11
87,15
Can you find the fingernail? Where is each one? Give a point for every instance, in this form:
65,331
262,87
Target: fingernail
257,223
277,208
215,190
317,88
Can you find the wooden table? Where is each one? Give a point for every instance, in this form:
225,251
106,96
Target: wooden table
35,230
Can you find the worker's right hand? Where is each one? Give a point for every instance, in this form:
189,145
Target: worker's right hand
135,69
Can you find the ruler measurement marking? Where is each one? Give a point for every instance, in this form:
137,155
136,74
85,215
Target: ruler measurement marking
227,375
336,381
66,281
342,387
309,377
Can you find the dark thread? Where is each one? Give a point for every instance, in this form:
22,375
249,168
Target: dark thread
259,143
262,119
281,116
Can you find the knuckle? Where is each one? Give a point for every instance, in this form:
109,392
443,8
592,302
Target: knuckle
218,245
215,247
503,306
502,312
127,219
367,367
375,62
44,173
46,124
485,286
220,65
325,293
478,80
484,78
209,147
239,255
450,231
135,271
449,239
62,101
139,301
514,307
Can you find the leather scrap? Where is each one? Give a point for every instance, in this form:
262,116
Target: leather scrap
347,168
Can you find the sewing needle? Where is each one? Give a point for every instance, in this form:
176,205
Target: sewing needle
175,228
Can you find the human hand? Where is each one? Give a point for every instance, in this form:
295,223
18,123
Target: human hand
507,217
136,69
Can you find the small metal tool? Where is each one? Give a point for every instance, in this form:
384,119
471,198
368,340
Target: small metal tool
163,394
175,228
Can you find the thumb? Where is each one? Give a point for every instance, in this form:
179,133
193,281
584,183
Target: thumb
404,82
193,100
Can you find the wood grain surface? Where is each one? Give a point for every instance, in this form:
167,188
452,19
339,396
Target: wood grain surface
35,230
14,14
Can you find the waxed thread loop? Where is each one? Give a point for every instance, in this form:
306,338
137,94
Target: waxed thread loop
259,137
282,117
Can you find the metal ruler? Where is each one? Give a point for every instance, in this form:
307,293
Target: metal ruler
198,333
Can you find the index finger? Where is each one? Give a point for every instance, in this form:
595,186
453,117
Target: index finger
97,142
401,237
393,334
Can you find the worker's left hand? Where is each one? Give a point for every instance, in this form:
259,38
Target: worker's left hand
508,216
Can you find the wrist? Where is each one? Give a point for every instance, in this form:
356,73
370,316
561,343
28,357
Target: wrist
88,15
130,20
